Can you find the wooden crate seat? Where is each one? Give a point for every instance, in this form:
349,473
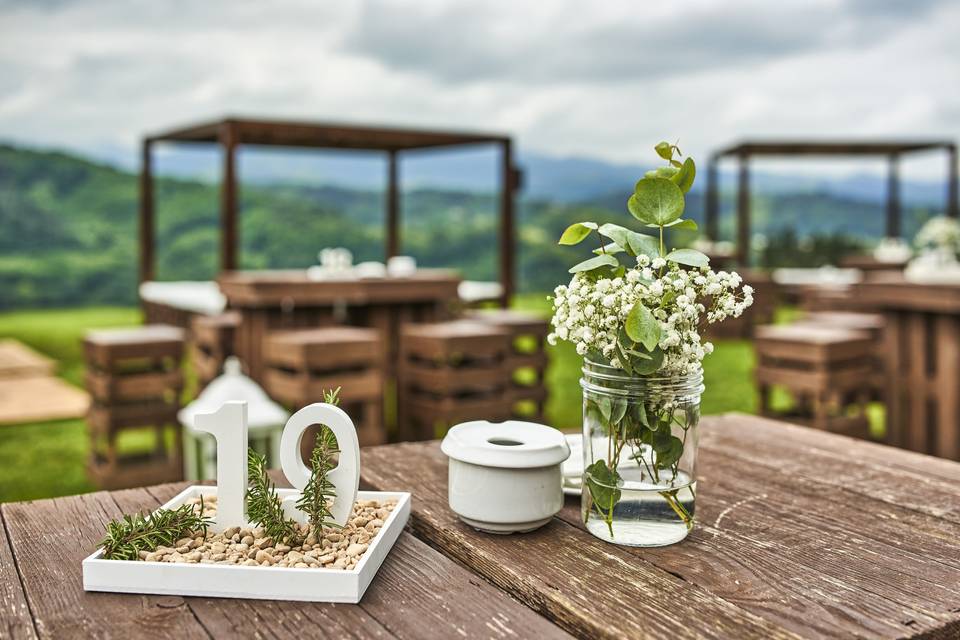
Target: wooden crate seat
814,345
303,363
135,379
108,349
826,368
451,372
454,343
323,349
527,360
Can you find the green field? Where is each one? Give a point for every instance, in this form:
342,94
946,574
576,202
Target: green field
48,459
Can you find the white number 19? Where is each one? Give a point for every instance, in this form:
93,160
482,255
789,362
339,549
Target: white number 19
228,425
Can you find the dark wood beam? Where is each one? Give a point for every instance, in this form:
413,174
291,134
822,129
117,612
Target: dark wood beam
507,244
712,202
832,147
146,222
285,133
893,196
743,212
393,205
229,237
953,209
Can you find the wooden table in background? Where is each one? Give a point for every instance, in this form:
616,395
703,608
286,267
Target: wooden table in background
800,534
922,353
288,299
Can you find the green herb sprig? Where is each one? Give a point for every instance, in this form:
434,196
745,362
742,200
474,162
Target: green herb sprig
319,492
128,536
263,504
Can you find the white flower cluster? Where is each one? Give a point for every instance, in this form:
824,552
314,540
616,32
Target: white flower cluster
589,312
941,233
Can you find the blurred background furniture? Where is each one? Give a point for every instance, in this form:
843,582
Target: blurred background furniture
451,372
177,303
870,323
526,360
213,339
134,378
304,363
826,369
922,355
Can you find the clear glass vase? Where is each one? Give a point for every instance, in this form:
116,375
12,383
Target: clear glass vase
639,455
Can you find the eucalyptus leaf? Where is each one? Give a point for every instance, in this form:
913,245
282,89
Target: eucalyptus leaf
670,173
609,248
664,150
646,367
620,235
595,263
643,245
642,415
625,363
669,448
603,484
685,176
575,233
689,225
618,408
603,403
656,201
689,257
642,327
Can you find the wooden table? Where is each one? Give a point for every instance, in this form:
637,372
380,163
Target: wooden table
922,351
800,534
289,299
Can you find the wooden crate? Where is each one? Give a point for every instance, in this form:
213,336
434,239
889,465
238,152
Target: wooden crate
826,369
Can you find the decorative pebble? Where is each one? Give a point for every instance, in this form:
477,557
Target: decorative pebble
332,548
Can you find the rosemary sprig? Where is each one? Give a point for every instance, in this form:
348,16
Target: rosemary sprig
127,537
319,492
263,503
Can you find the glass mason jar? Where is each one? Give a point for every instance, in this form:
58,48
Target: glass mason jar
639,455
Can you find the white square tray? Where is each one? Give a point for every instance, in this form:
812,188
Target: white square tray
236,581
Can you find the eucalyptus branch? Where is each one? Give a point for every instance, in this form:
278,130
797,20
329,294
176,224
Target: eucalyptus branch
127,537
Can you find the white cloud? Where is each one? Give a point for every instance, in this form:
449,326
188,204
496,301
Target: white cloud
563,77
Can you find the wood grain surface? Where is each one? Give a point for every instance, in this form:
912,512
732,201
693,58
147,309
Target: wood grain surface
799,532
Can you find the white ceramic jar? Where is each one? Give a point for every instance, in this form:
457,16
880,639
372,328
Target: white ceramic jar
505,477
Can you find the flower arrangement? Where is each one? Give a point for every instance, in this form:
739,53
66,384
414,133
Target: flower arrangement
634,311
644,316
939,233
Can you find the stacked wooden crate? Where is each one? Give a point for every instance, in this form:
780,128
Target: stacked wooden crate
303,363
214,340
451,372
134,379
527,359
826,369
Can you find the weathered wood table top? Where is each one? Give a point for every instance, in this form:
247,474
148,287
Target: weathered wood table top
800,534
245,289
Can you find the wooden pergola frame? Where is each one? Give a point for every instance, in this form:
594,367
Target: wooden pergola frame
230,133
892,150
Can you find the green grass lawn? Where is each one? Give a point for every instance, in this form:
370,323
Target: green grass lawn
48,459
727,376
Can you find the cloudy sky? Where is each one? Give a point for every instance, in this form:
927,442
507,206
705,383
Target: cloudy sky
604,79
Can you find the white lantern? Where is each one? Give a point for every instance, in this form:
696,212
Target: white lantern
265,420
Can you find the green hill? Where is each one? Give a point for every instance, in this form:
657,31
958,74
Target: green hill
68,229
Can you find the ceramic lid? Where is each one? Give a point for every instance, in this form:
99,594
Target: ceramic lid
511,445
262,412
